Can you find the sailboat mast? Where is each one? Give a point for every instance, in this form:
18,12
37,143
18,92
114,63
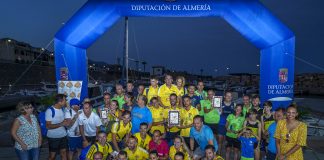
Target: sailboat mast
126,48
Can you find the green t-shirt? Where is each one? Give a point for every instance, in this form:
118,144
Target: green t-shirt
120,100
234,124
212,116
245,111
202,95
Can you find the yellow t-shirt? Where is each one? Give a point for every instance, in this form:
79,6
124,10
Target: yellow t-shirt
120,130
297,136
117,114
173,151
139,154
157,116
105,150
181,92
143,143
166,116
187,119
164,93
151,92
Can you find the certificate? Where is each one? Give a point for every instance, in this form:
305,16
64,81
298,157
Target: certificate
174,118
103,114
217,101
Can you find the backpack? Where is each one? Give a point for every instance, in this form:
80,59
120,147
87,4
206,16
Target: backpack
84,151
42,119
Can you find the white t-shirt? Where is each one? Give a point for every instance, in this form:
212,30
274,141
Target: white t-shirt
58,118
74,130
89,124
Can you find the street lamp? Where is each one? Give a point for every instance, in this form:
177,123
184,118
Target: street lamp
228,70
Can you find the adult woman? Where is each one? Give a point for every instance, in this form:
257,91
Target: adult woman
234,124
179,146
180,83
26,133
290,136
113,116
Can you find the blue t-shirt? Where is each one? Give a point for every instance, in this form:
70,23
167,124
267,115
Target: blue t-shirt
226,110
202,137
247,146
195,100
140,115
272,141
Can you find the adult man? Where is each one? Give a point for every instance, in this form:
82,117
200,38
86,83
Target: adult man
120,130
200,90
140,90
272,150
195,100
160,145
135,152
157,115
179,156
119,96
166,90
187,114
73,131
142,137
130,88
140,114
203,135
172,131
211,115
102,146
89,123
210,153
55,123
246,105
152,91
103,111
256,106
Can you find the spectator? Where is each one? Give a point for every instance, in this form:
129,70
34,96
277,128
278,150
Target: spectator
290,136
26,133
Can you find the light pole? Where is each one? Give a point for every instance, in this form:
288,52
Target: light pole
228,70
258,68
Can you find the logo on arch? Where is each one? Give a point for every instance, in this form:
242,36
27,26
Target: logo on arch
283,75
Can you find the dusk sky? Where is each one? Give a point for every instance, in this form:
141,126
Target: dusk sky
187,44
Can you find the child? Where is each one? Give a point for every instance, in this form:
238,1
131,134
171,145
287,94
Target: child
247,144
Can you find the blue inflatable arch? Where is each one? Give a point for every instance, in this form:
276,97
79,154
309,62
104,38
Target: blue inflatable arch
249,17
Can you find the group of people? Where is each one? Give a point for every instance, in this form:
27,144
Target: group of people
136,124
